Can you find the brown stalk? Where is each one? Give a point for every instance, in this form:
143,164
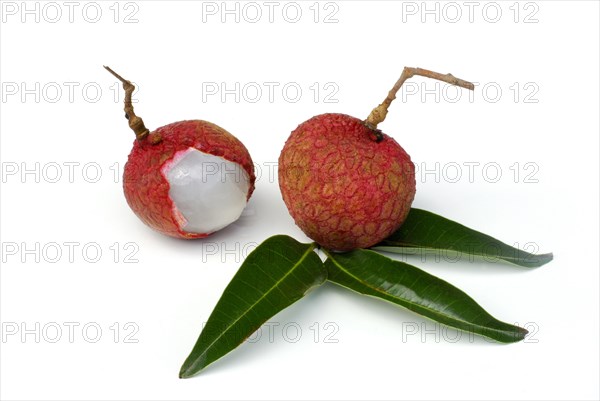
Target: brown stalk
380,112
135,123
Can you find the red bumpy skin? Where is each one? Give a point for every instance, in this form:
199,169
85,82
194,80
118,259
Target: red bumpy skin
344,189
146,188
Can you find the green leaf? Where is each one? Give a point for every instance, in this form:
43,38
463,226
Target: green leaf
424,231
370,273
275,275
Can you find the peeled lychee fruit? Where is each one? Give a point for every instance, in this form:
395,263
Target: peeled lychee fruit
346,184
195,181
187,179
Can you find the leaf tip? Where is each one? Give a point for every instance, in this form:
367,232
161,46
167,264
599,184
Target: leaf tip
522,333
183,374
518,334
188,371
541,259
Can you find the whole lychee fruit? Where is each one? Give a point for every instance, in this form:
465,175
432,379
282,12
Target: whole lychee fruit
344,189
187,179
346,184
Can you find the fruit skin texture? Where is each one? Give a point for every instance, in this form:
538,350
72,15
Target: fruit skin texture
344,189
146,188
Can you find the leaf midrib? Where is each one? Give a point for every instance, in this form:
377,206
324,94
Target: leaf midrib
421,306
304,255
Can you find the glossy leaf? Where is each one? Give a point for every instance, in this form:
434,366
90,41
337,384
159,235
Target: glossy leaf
371,273
275,275
427,232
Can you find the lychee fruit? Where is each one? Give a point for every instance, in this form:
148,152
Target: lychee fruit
346,184
187,179
344,189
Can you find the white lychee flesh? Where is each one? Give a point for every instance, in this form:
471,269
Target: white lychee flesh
208,191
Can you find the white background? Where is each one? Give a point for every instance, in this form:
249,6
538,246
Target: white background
175,52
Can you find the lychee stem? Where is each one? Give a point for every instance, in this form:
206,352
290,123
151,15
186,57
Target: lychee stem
135,122
379,113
